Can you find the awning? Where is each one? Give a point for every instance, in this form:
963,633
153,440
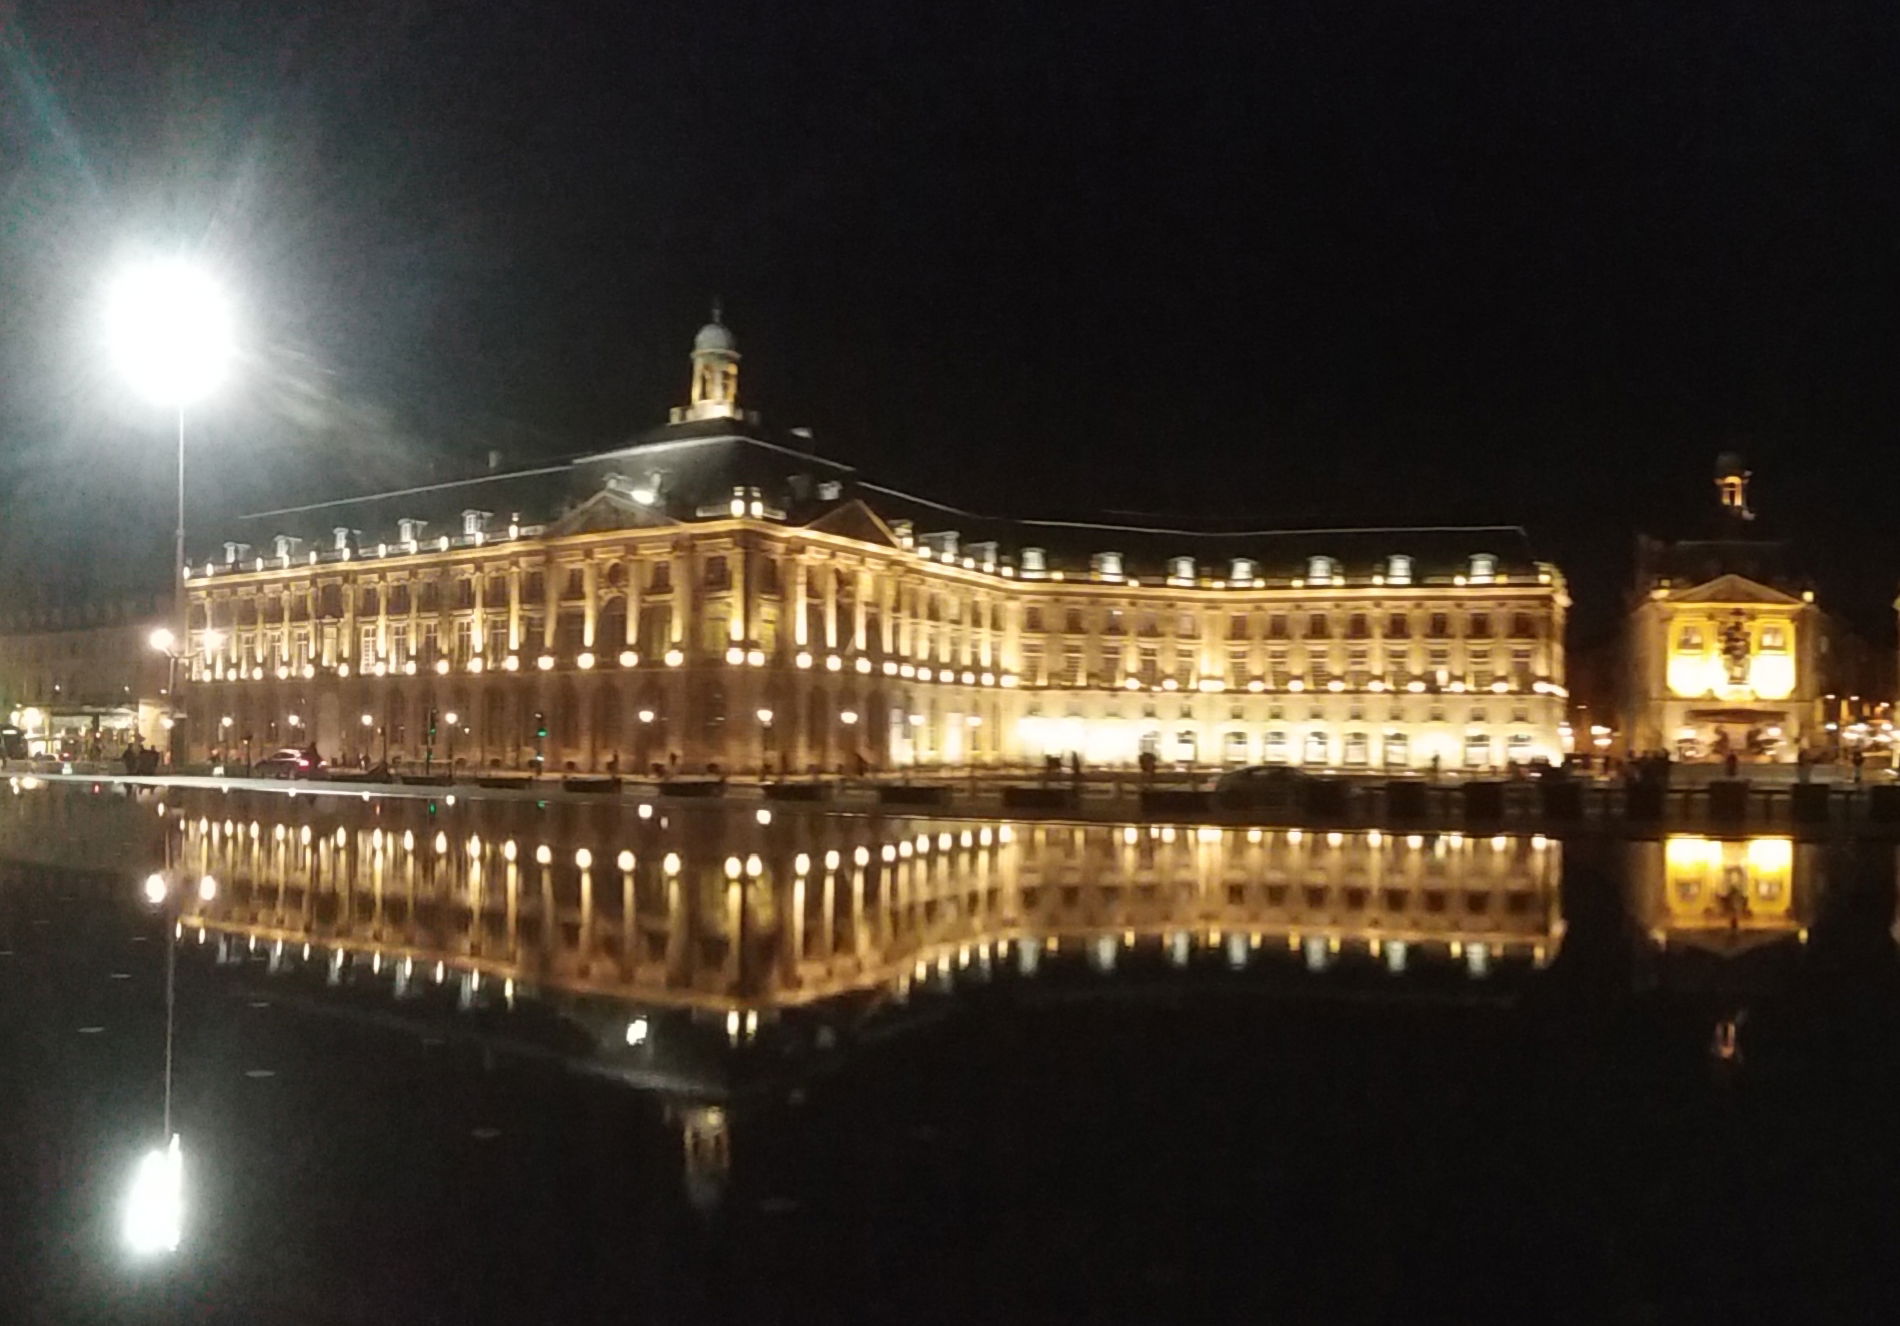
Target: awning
1738,715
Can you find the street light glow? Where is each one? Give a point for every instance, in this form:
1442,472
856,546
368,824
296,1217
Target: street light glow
155,1208
169,326
162,639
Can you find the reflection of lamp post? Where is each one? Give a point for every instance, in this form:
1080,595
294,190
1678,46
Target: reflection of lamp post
973,722
369,721
765,735
451,718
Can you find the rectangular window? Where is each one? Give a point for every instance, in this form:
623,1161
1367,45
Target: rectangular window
1234,748
1477,751
1358,627
1396,665
1480,626
1276,626
1521,667
366,651
1438,626
1275,752
1150,667
1112,625
1773,638
1236,667
1523,626
1072,621
1072,674
1481,673
1397,750
1316,626
718,575
1439,659
398,641
1357,749
660,578
464,640
1315,752
1237,626
1032,664
1398,626
1190,626
1278,671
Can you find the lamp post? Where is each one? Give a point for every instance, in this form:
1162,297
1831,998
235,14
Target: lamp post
451,718
170,329
765,736
369,721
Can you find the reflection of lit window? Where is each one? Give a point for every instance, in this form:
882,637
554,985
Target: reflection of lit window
1316,748
1356,748
1276,748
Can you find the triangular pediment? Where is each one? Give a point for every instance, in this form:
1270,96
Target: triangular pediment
1732,589
855,520
607,510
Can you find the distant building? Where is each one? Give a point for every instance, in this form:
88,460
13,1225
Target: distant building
81,678
1724,650
714,592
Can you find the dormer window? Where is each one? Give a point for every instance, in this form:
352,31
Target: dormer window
984,554
1107,565
1398,569
902,529
1243,570
476,522
409,529
342,536
942,543
1181,570
286,546
830,490
236,552
1321,570
1035,562
1484,568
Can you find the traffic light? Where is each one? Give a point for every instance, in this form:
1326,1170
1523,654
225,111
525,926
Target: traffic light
540,724
432,724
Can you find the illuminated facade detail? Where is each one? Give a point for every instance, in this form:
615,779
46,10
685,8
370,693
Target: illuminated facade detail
731,572
1724,649
76,682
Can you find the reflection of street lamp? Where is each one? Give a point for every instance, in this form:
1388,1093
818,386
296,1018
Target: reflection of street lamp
765,735
451,718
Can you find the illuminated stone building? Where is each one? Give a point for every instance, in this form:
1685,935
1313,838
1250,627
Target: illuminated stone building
78,678
1725,650
715,592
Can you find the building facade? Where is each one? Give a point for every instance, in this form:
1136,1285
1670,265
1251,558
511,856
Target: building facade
81,681
714,593
1725,651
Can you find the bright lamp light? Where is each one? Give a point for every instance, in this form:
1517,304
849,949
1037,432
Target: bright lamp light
155,1208
169,325
162,640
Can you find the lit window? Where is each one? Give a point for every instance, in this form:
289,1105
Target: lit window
1321,570
1773,637
1689,639
1484,568
1398,569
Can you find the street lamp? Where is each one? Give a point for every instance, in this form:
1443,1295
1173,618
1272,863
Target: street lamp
765,736
451,718
170,329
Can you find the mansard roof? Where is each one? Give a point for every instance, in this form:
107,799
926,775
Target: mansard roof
695,470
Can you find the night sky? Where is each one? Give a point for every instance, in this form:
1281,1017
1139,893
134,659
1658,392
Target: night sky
1290,262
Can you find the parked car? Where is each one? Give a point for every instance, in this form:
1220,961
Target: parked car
289,763
1259,785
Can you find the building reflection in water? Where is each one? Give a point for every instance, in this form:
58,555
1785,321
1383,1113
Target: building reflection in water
681,942
1725,894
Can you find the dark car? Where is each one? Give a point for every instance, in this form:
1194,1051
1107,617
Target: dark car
1259,785
288,763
